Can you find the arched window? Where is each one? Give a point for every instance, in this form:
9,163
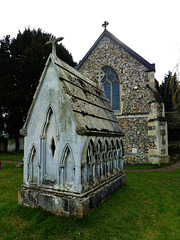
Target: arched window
69,171
90,160
33,165
111,87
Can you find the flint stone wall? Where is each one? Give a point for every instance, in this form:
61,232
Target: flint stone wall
134,95
137,141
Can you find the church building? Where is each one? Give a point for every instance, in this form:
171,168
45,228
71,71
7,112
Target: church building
73,149
129,84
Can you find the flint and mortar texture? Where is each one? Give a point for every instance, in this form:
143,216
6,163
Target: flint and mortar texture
134,74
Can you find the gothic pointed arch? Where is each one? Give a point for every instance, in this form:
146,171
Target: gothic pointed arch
97,158
48,114
90,152
33,165
105,147
50,145
31,153
111,85
87,160
66,149
122,148
89,142
97,148
67,160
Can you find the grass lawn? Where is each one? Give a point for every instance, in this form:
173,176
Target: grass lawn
148,207
146,166
12,156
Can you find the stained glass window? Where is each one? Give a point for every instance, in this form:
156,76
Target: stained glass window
112,87
115,95
107,89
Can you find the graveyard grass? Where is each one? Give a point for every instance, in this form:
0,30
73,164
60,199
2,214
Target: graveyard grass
12,156
148,207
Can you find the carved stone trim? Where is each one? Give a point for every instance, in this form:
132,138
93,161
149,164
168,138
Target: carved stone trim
100,75
23,132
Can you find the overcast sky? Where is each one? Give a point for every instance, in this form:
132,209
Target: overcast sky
150,27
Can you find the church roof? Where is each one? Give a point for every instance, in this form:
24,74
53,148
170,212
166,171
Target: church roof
150,67
89,104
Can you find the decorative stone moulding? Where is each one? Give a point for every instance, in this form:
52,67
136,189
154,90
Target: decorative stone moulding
23,132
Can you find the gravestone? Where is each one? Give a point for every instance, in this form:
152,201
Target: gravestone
11,145
2,146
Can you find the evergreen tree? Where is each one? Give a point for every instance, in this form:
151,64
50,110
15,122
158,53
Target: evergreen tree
170,92
22,61
175,92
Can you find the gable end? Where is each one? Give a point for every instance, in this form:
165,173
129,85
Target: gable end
150,67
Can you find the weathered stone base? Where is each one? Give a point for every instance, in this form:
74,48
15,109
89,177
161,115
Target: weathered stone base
146,159
133,159
156,159
69,204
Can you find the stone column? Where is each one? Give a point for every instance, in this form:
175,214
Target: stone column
62,174
157,133
42,159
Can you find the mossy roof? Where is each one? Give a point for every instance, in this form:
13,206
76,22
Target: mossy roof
89,104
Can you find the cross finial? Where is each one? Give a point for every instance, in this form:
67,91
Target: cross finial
54,41
105,24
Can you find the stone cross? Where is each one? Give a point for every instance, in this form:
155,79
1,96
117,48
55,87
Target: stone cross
105,24
54,41
100,75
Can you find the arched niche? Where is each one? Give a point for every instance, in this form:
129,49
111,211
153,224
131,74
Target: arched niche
68,163
50,144
98,153
106,157
87,162
86,149
120,153
32,162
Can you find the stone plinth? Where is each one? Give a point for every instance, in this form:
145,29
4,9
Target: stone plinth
66,203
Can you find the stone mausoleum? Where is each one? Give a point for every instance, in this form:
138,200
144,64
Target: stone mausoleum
129,84
73,150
